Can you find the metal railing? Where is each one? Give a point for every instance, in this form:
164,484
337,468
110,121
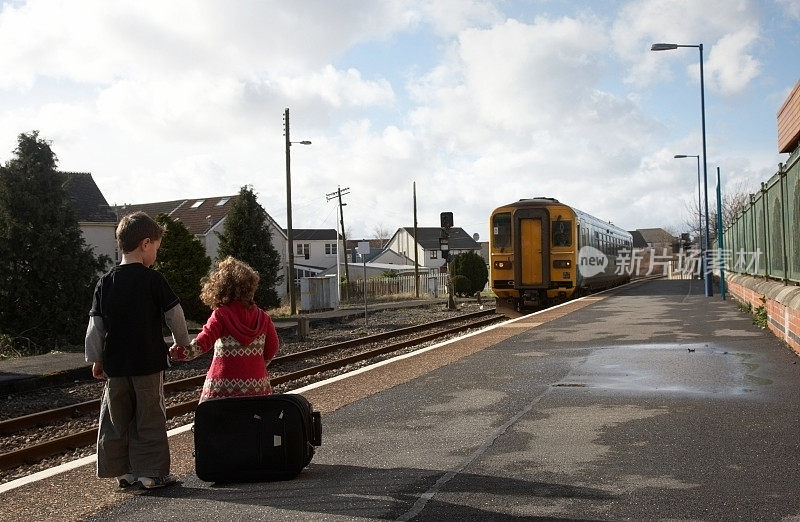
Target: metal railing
767,231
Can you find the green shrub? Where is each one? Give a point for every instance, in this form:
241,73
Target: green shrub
473,267
462,286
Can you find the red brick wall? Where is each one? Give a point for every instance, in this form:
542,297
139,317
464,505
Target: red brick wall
783,321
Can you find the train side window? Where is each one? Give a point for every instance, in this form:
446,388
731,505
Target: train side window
501,230
562,233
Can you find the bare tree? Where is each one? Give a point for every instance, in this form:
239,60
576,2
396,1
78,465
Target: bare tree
671,230
382,233
733,201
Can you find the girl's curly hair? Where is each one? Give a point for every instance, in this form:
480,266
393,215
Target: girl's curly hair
231,280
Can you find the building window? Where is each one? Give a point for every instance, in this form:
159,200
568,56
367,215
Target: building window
330,249
434,254
198,203
222,202
303,249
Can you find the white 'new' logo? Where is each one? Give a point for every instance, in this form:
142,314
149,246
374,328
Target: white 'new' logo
591,261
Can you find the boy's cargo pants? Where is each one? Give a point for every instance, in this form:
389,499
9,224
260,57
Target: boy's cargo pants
132,435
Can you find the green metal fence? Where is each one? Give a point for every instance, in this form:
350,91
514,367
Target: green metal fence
768,228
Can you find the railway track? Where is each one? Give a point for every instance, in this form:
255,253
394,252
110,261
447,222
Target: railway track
37,452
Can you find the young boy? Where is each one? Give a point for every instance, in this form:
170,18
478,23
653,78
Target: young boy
126,347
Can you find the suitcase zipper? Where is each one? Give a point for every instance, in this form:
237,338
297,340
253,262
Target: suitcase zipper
260,438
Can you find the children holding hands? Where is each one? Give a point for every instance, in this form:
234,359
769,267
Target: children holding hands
242,335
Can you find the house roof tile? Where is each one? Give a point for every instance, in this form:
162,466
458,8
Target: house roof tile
657,235
314,234
198,215
86,199
428,238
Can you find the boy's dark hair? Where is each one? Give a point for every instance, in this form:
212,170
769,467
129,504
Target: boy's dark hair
134,228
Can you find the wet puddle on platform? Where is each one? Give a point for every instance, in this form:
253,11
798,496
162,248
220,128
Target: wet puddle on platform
689,369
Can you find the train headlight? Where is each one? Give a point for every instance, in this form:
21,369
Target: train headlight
562,263
502,265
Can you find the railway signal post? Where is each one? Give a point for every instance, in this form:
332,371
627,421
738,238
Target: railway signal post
446,221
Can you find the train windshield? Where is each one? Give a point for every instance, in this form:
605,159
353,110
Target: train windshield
501,230
562,233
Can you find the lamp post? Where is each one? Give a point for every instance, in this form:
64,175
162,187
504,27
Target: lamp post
289,233
699,195
669,47
720,242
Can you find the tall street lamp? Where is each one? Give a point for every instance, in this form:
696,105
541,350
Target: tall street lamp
699,195
670,47
289,233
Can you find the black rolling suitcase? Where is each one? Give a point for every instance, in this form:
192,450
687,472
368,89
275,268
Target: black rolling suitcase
245,439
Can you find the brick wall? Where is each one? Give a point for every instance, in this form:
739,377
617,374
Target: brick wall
782,305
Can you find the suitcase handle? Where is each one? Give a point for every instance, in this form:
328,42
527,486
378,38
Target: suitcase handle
316,428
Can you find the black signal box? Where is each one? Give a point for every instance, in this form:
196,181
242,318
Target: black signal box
446,219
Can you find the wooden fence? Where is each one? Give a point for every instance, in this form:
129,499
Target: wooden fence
430,285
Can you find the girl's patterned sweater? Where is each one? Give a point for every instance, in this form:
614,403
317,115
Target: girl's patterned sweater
244,341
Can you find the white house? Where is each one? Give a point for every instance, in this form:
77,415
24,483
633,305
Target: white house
378,262
96,219
315,250
428,245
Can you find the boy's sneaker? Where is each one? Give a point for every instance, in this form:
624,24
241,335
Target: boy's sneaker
158,482
127,480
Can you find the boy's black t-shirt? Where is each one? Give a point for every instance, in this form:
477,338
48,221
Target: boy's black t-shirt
132,299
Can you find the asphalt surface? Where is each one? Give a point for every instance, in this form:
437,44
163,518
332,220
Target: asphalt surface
651,403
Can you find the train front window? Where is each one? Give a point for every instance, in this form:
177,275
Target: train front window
562,233
501,230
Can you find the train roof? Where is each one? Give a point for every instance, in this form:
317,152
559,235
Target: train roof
545,201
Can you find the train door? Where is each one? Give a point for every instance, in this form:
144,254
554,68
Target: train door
530,251
532,243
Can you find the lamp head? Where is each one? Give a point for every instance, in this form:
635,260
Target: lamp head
663,47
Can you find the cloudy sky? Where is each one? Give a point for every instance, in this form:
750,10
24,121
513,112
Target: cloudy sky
480,103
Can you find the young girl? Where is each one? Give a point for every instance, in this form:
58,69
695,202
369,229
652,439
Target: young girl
242,335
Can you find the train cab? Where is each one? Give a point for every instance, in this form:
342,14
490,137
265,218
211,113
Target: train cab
533,250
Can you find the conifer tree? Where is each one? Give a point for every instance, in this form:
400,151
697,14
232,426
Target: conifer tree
182,260
246,236
47,272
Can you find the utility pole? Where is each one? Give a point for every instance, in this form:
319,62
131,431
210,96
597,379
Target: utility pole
416,245
339,193
289,232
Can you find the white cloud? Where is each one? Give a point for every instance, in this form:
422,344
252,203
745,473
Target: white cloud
791,7
450,17
97,41
511,78
726,29
336,88
730,67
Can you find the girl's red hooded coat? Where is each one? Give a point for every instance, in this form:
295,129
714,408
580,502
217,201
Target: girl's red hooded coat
244,341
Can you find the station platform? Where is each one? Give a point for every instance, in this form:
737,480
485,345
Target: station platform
648,402
23,373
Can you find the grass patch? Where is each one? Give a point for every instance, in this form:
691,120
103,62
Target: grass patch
760,317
